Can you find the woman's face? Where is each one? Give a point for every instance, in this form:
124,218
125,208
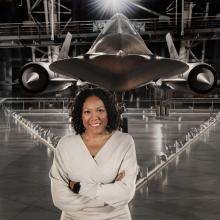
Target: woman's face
94,115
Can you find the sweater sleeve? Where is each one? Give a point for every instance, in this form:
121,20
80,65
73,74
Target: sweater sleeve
119,192
63,197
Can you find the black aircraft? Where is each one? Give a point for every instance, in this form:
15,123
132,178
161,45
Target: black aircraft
119,60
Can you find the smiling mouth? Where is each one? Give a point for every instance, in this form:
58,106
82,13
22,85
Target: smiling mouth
95,125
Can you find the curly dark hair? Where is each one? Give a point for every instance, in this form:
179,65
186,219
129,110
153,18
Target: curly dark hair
110,104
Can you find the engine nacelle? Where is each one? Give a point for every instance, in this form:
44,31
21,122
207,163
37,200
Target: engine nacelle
202,78
35,77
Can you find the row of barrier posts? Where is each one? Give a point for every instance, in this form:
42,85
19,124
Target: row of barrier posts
43,134
171,151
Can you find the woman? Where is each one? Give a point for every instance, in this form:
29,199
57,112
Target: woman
94,171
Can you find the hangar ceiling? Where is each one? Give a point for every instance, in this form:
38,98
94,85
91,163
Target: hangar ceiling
42,22
30,30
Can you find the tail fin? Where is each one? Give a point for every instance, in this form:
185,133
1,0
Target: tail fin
65,48
171,47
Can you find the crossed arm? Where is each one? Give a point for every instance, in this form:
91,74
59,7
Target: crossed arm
114,194
119,177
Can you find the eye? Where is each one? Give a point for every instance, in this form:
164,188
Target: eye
86,112
101,110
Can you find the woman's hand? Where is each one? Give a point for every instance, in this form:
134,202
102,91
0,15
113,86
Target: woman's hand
120,176
71,184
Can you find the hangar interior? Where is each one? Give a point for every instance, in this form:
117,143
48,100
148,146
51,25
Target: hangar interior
174,127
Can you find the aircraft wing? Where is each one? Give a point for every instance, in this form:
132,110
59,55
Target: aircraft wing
116,72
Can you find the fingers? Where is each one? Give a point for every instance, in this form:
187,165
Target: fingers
120,176
71,184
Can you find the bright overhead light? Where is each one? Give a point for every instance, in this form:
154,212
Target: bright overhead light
112,6
115,5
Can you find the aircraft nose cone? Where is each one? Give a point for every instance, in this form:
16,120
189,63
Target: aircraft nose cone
119,24
32,77
205,78
118,36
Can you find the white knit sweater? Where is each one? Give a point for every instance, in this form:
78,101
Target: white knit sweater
100,197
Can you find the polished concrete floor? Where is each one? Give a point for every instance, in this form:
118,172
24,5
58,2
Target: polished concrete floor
188,188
